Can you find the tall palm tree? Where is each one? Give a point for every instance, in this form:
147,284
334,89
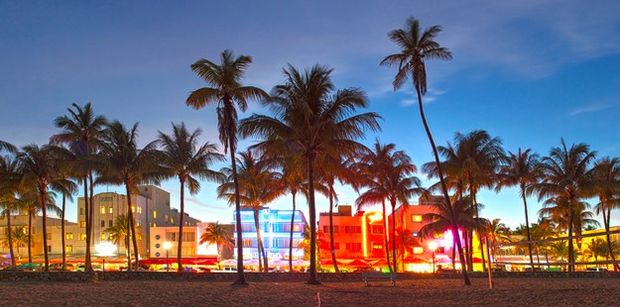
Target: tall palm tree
311,119
417,45
217,234
10,177
497,234
123,163
39,165
522,169
565,183
259,185
181,157
121,231
293,182
606,175
224,88
81,131
66,187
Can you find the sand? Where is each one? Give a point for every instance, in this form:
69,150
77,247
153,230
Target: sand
508,291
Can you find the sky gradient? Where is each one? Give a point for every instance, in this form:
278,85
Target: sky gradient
529,72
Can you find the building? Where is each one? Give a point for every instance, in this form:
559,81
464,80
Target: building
162,237
275,228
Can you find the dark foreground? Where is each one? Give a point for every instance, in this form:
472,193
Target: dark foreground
508,291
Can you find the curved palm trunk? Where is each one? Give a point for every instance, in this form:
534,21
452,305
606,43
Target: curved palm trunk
393,234
332,244
30,211
290,242
87,260
385,238
128,247
44,222
10,235
312,278
454,253
455,231
259,243
91,203
527,226
62,231
179,245
132,227
240,275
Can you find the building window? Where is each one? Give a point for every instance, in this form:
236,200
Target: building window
171,236
354,247
133,209
154,214
139,209
49,248
69,236
81,211
102,210
82,224
416,218
111,210
189,236
110,223
418,250
248,243
103,237
69,248
82,237
102,223
49,235
157,245
157,237
377,228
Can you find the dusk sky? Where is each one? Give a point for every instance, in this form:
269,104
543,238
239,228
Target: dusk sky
529,72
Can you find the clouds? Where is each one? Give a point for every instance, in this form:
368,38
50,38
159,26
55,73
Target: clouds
591,108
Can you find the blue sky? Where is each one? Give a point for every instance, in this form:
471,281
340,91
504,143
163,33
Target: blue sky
529,72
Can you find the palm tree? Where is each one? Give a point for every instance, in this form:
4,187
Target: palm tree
121,231
416,46
123,163
181,157
40,167
597,248
522,169
566,182
10,178
217,234
606,175
225,89
497,234
82,131
259,185
66,187
311,120
293,182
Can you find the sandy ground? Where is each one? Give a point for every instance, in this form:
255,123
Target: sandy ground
518,292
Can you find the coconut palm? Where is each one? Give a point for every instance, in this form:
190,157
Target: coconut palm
39,165
566,182
218,234
522,169
597,248
311,119
121,231
81,131
181,157
416,46
226,90
497,234
293,182
123,163
259,185
66,187
10,177
606,176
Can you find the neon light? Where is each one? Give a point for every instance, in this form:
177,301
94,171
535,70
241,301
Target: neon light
364,235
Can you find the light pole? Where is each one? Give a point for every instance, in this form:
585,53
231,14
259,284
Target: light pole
167,246
433,246
105,249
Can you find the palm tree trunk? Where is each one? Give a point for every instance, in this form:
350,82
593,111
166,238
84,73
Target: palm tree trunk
480,243
385,238
332,245
471,250
44,222
180,244
10,235
240,275
128,247
444,189
132,226
259,243
30,212
87,260
571,251
454,253
393,234
62,231
290,242
527,226
91,203
312,278
606,222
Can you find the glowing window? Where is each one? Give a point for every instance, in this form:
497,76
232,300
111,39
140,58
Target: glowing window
111,210
102,210
69,248
418,250
154,214
69,236
103,237
416,218
82,224
82,237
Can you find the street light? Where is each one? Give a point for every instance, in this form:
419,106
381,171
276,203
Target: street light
105,249
167,246
433,246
